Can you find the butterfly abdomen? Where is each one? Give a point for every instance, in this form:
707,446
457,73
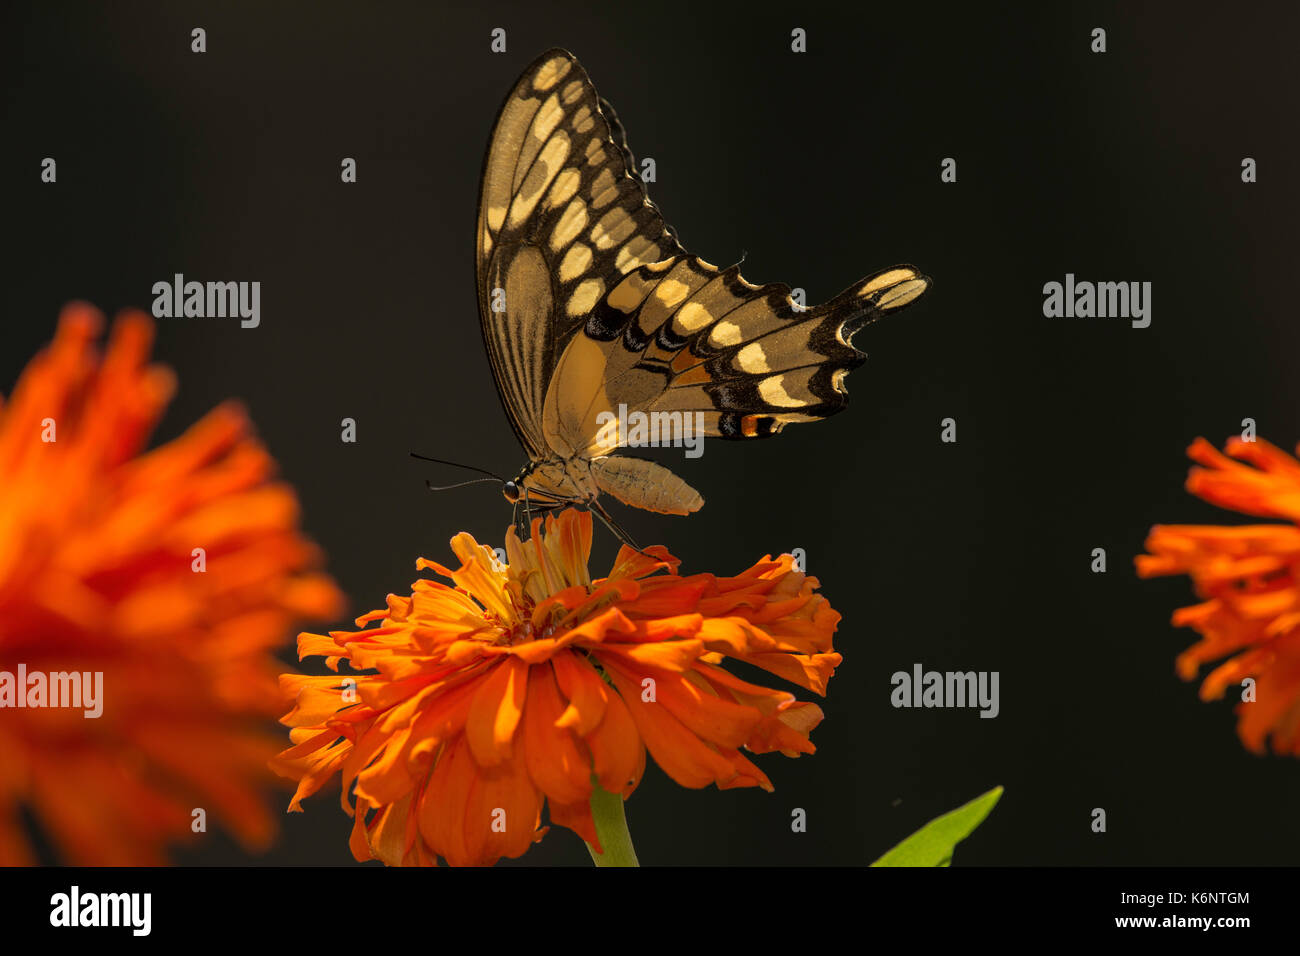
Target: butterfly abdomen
644,484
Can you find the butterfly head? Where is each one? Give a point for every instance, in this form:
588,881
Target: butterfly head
514,488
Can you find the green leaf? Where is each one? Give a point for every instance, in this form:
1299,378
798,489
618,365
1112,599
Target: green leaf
932,845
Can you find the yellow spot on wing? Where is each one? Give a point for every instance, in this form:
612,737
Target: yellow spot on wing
585,296
571,92
547,118
638,251
772,390
571,223
602,183
752,359
584,119
892,277
550,73
562,190
615,226
692,317
724,334
576,261
671,292
629,294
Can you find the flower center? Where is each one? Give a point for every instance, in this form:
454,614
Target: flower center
522,630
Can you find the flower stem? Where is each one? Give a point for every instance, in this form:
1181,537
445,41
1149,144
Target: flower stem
611,827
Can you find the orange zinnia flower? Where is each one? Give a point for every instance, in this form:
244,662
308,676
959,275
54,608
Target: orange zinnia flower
531,683
1249,580
99,574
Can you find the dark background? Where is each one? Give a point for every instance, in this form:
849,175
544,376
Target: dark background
818,168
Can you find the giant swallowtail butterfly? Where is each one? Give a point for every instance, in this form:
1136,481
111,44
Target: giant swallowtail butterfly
588,302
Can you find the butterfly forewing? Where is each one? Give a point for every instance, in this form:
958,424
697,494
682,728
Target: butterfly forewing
561,219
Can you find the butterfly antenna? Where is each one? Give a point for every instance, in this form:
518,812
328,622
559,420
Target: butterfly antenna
458,464
460,484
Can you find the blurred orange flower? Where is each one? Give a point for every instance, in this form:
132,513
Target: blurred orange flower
525,683
99,573
1248,578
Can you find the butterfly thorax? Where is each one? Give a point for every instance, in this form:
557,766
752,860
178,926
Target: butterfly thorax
558,479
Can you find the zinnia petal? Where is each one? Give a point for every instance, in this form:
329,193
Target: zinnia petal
1249,580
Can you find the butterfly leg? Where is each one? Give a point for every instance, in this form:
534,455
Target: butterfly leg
526,526
599,510
520,525
537,508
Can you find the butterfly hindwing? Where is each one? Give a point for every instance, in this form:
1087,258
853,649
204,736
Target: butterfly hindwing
682,336
562,218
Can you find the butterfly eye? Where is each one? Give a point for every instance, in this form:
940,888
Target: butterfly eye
511,491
